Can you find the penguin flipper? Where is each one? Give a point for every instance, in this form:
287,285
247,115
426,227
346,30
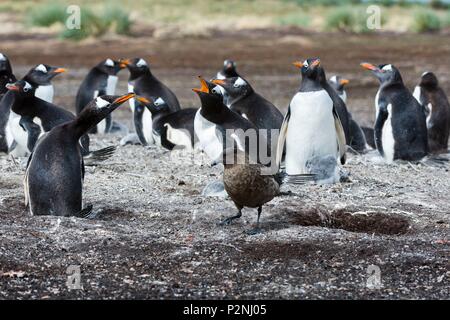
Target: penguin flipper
340,134
99,155
282,138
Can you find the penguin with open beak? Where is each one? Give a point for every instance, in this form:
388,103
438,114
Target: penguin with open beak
55,172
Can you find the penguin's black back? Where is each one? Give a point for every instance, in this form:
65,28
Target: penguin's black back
149,86
94,81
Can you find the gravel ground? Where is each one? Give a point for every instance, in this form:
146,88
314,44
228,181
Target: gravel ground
155,236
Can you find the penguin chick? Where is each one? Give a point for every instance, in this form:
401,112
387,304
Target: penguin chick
55,172
249,186
171,129
437,109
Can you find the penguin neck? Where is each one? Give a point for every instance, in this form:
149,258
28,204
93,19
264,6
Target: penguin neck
136,75
84,122
159,114
309,84
215,112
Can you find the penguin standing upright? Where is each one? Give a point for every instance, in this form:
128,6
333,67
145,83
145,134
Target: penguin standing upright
357,140
101,80
312,128
53,181
170,129
39,77
437,109
231,128
145,84
6,73
400,127
244,100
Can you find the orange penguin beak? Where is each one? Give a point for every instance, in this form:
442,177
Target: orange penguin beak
123,63
368,66
219,82
12,86
124,98
344,82
143,100
204,86
60,70
298,64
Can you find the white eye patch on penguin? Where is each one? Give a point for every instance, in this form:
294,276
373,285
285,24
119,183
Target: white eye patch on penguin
27,87
109,63
159,102
41,68
141,63
2,57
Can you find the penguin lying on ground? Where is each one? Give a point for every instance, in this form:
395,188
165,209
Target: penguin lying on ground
170,129
400,127
252,106
356,135
231,127
145,84
53,181
6,73
101,80
39,77
312,129
249,186
437,109
31,117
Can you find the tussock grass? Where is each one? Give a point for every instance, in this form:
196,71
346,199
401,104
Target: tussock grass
426,21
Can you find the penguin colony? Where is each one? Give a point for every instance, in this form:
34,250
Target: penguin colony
306,145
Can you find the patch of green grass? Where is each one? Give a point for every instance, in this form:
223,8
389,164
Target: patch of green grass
115,18
341,19
426,21
298,19
47,15
445,21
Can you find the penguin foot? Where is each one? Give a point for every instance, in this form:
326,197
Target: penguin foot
254,231
228,221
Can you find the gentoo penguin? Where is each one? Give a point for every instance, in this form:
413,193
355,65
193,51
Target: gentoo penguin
170,129
228,71
437,109
243,99
231,128
6,74
101,80
248,186
400,127
54,177
145,84
209,141
357,140
312,128
40,77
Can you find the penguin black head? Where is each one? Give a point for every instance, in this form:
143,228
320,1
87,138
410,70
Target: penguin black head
235,86
136,66
101,106
22,87
210,95
154,105
5,65
428,80
42,74
385,73
229,69
110,67
338,83
310,68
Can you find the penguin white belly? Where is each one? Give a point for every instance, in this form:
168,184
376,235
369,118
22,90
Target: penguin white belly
343,96
208,141
147,126
178,137
131,101
44,93
311,131
101,126
111,84
16,133
387,137
416,94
